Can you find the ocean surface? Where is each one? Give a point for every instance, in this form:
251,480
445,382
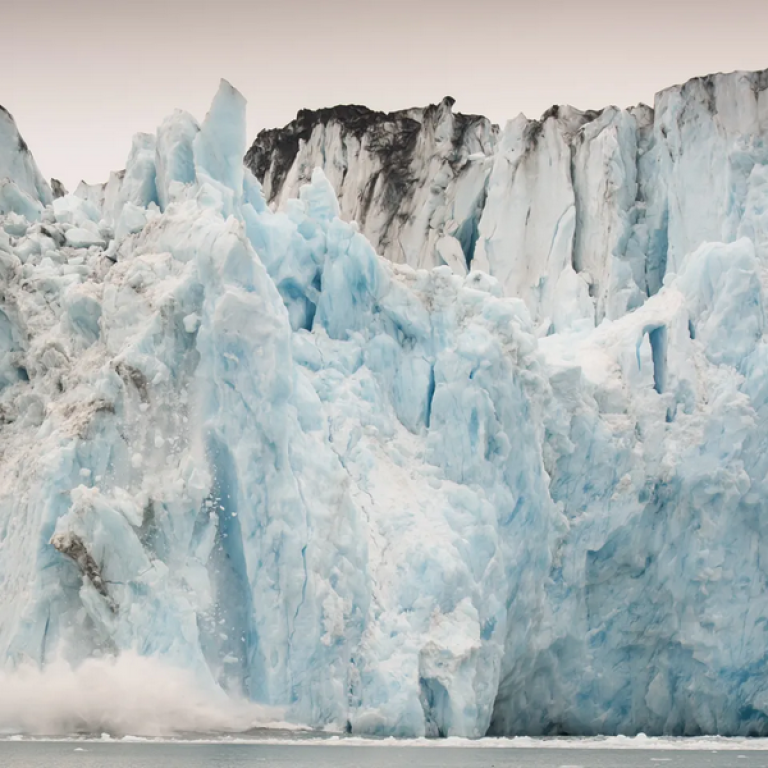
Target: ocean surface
353,754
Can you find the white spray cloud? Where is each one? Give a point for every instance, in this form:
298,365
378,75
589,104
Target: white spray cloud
128,694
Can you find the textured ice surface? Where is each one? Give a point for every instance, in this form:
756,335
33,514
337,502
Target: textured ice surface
397,500
414,180
18,166
580,214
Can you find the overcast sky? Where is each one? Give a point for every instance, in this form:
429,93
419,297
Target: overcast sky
82,76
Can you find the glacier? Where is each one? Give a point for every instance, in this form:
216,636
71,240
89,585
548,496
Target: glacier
508,479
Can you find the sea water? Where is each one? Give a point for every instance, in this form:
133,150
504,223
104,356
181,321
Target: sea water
324,754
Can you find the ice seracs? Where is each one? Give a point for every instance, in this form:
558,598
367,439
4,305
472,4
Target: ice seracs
414,180
394,499
612,197
24,188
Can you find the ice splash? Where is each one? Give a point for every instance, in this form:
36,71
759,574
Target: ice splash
123,695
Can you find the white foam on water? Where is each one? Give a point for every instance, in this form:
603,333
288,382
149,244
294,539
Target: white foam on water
640,742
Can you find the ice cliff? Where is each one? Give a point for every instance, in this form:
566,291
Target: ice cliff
22,187
401,496
577,213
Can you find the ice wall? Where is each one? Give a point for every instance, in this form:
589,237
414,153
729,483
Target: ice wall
388,499
414,180
580,214
23,190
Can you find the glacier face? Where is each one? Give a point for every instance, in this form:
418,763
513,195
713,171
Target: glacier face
396,495
23,190
413,180
615,196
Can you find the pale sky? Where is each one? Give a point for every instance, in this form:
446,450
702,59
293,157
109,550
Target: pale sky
82,76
